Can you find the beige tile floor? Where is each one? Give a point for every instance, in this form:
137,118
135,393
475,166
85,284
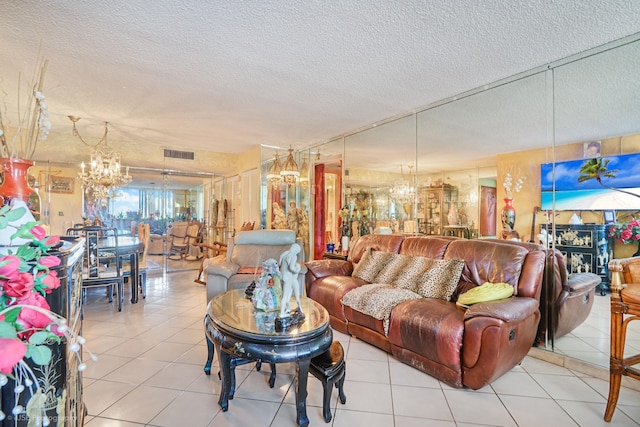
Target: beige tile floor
149,373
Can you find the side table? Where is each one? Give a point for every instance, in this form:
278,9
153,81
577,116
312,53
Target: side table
238,331
334,255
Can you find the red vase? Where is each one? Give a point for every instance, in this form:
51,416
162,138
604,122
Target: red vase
15,183
508,214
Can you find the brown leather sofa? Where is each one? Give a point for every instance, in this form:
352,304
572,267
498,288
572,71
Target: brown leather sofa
463,348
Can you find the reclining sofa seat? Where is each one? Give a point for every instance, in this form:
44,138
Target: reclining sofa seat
566,299
245,253
461,348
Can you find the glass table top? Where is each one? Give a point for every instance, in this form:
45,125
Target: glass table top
232,310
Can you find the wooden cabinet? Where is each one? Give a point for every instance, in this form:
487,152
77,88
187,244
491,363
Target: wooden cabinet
60,379
436,203
586,249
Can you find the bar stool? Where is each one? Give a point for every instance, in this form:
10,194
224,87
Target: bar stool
625,300
330,368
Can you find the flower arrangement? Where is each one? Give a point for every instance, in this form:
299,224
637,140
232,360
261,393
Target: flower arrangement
626,232
509,186
32,125
27,326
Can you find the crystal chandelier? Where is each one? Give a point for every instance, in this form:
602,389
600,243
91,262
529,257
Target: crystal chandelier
402,190
289,171
104,175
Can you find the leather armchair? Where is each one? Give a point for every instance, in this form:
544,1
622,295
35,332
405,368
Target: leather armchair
245,253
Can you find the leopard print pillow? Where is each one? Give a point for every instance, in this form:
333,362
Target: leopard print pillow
408,277
441,280
370,264
395,265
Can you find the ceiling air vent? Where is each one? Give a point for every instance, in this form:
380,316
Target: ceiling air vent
177,154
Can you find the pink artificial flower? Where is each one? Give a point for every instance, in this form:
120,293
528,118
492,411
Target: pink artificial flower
52,240
51,280
625,235
9,266
19,287
39,232
12,350
49,261
29,318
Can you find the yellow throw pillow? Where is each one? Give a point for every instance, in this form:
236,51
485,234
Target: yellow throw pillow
486,292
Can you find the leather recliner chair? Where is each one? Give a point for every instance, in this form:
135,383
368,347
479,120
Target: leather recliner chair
566,299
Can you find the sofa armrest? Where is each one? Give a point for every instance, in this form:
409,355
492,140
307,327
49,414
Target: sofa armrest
580,282
220,266
497,336
328,267
508,310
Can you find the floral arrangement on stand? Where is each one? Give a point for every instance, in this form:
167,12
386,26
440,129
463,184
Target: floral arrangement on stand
627,232
508,214
509,186
27,326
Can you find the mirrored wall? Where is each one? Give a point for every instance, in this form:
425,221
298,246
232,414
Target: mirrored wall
443,169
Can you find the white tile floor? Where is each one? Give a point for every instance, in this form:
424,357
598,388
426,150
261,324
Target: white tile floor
589,342
149,373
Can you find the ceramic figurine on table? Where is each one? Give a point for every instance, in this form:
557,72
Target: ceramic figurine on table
268,291
289,269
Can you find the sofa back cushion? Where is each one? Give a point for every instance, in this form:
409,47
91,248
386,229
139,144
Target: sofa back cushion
486,261
426,246
377,242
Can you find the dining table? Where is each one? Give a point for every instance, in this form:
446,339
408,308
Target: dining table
128,247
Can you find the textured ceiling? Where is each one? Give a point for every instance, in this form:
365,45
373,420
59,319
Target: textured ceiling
225,76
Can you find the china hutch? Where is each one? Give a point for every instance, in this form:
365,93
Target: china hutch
586,249
437,202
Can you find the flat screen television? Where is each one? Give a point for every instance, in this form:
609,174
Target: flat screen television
590,195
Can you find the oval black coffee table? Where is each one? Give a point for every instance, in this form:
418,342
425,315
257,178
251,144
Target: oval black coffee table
237,330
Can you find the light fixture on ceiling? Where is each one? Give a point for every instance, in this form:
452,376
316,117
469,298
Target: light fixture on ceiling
289,171
273,174
403,191
104,175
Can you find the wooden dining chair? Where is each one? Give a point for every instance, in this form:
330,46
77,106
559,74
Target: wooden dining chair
625,308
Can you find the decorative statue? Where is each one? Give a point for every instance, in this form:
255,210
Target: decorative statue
289,269
279,219
268,292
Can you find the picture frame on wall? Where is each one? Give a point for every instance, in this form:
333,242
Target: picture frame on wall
609,217
61,184
591,149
